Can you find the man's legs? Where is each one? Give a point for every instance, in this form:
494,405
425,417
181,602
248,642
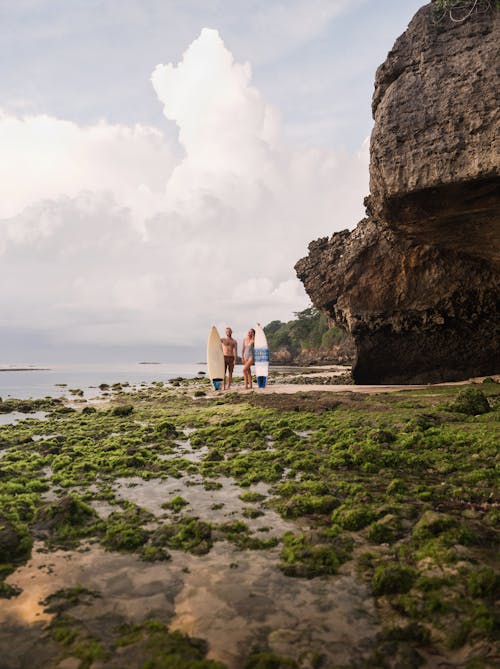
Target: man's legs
228,367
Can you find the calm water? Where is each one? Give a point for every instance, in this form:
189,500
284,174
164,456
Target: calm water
25,384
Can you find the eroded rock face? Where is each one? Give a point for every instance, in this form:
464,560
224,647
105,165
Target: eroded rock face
435,144
418,313
417,282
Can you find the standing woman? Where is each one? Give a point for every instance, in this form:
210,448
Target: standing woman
247,357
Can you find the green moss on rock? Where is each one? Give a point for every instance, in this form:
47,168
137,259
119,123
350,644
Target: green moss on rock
392,578
471,401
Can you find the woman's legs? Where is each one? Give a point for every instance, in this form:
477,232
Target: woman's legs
247,373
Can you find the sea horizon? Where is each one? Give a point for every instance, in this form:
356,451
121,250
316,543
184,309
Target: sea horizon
24,381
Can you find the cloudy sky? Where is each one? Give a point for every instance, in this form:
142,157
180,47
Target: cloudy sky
164,163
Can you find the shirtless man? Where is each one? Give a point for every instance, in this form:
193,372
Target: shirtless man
230,349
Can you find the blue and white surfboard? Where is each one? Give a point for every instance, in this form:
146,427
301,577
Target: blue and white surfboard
261,356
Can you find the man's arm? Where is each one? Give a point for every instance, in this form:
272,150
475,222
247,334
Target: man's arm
235,349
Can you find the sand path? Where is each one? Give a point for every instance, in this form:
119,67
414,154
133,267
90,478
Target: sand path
292,388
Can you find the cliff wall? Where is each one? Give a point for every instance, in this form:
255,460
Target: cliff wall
417,282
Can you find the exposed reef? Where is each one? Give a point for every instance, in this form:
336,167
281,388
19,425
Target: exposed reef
417,282
324,529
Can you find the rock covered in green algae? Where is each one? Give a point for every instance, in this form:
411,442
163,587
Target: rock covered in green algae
64,599
122,410
314,553
187,534
15,541
385,530
267,660
66,521
124,529
471,401
15,547
148,645
29,406
392,578
166,428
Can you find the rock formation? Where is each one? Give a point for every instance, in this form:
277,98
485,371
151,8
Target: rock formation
417,282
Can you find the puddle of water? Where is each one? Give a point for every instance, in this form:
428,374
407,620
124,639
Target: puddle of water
233,599
203,503
129,586
185,452
51,495
103,508
15,416
235,608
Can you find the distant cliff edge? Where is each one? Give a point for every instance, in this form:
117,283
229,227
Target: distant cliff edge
309,339
417,282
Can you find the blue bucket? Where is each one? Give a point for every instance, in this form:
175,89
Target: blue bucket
217,383
261,381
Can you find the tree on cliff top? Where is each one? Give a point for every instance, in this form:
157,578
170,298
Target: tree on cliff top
309,330
460,10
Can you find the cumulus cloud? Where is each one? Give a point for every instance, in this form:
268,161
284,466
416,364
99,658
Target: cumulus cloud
226,129
44,157
112,234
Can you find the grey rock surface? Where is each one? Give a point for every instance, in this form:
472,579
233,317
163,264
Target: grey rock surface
417,283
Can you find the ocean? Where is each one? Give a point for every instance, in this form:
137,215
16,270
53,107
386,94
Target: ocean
87,377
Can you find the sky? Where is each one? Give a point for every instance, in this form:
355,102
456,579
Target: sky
165,163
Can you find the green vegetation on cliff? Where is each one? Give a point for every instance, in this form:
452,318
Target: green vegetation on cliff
308,331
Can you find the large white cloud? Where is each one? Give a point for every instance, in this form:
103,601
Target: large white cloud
45,157
111,234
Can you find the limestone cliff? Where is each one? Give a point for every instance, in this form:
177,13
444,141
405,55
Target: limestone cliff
417,282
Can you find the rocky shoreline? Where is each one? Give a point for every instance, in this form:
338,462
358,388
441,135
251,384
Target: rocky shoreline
285,528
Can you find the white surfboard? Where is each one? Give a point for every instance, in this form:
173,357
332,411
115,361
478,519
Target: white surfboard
261,356
215,359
